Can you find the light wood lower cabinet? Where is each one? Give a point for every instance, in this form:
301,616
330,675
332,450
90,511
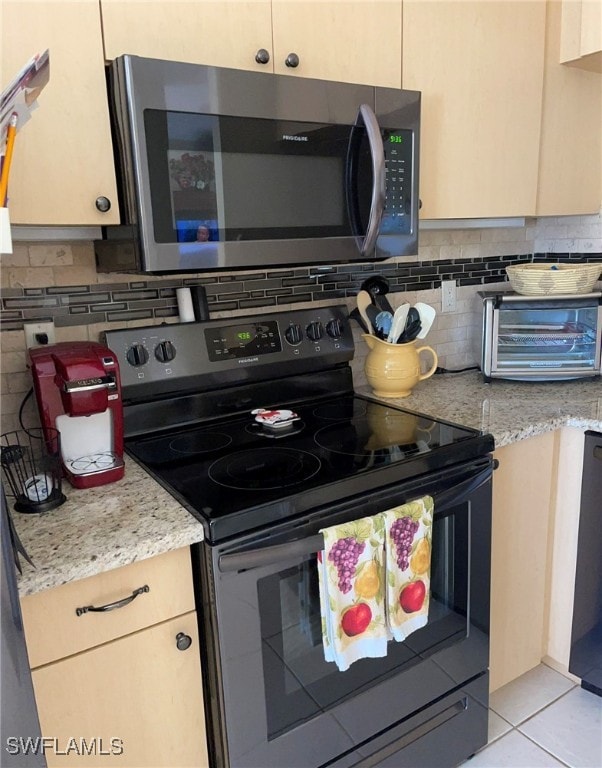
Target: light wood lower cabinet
138,698
120,687
522,501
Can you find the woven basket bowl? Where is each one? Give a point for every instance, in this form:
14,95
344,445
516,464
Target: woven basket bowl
550,279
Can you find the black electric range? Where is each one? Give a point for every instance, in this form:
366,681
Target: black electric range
235,474
264,494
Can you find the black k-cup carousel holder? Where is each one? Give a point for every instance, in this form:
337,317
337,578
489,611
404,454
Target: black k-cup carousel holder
31,467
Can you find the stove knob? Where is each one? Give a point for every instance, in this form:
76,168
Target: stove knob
293,334
137,355
334,328
315,330
165,351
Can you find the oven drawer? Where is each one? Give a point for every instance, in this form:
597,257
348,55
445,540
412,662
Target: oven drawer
55,628
442,734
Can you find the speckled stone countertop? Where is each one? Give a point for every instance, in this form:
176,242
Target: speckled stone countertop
509,410
135,518
98,529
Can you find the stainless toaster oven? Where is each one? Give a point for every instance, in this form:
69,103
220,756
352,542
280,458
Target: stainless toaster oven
540,337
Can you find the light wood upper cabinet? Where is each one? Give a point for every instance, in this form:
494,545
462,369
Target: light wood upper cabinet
336,40
63,157
354,42
581,34
570,161
479,66
224,33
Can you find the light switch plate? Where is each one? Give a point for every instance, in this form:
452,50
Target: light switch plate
36,331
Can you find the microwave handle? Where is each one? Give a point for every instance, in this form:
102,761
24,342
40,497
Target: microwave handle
377,153
266,556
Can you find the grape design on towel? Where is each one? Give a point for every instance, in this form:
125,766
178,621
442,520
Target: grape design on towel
352,578
408,534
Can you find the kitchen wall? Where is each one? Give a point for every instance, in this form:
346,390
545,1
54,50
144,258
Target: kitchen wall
59,281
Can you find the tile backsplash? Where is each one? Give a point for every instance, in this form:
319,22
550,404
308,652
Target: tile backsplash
59,281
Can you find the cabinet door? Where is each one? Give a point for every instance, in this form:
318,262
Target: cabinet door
522,499
570,172
138,700
63,157
227,33
479,66
581,34
353,42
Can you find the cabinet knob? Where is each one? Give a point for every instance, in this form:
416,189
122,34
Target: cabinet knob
183,642
292,60
103,204
262,56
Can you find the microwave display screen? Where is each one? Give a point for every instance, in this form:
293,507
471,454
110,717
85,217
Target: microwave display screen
218,179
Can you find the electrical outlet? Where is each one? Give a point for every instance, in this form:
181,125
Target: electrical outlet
448,296
37,334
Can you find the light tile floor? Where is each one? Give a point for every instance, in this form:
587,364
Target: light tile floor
542,719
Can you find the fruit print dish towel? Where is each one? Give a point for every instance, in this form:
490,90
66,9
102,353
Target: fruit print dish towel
374,581
408,535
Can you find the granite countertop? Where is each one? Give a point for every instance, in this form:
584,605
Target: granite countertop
101,528
113,525
509,410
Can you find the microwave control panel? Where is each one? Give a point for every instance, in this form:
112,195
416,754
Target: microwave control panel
399,151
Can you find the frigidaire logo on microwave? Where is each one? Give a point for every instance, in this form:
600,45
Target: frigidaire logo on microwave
286,137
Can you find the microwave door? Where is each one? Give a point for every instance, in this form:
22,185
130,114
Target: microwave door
366,125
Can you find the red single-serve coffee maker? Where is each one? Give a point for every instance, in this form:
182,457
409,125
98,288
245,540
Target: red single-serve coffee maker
78,391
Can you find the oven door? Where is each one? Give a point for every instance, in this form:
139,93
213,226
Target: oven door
275,701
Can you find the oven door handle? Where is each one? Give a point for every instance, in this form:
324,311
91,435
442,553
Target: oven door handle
262,557
464,489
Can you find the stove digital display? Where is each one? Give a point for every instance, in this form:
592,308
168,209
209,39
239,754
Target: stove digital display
245,340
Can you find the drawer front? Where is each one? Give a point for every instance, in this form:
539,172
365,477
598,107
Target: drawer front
54,630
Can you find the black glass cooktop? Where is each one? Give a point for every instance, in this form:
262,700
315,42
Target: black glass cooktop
235,475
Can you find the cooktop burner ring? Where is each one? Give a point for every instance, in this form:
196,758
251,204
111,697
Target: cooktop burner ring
340,411
199,441
264,469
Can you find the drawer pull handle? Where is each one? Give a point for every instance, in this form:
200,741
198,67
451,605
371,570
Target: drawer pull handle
112,606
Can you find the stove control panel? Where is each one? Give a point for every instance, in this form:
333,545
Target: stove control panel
181,356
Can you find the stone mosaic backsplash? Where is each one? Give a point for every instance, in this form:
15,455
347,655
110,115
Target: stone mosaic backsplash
154,299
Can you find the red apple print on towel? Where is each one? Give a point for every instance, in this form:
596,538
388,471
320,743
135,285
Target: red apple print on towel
356,619
411,597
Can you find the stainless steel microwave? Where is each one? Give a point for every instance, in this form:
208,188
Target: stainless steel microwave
227,169
540,337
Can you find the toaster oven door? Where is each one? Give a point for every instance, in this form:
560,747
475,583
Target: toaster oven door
544,339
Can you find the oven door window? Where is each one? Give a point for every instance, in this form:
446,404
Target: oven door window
299,683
